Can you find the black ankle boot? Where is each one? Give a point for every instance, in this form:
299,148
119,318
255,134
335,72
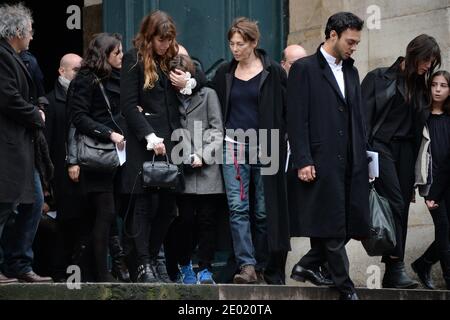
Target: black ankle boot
146,274
119,268
423,270
395,276
160,270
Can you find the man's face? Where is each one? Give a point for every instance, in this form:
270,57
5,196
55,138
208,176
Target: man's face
346,45
24,41
291,55
69,71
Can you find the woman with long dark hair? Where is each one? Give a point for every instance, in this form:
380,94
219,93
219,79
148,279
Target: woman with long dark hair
95,113
439,134
396,105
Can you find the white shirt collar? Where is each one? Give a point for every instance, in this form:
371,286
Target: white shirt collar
330,59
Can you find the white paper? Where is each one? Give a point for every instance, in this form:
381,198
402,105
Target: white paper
374,170
288,157
52,214
122,153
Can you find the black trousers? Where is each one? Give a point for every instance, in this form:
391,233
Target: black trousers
153,214
275,271
439,250
196,223
336,256
396,184
95,229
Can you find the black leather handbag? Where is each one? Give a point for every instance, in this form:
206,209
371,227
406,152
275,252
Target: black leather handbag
160,175
94,155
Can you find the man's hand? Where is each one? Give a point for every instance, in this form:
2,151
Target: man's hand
307,174
431,204
74,173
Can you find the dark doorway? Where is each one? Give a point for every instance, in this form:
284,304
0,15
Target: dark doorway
52,38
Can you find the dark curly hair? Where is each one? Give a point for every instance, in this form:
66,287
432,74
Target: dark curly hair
96,57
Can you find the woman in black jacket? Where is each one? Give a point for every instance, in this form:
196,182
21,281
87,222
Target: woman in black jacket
396,112
88,112
150,107
251,90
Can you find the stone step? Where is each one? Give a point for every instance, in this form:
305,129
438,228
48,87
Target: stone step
197,292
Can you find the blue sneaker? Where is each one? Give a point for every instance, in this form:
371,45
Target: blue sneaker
205,277
188,275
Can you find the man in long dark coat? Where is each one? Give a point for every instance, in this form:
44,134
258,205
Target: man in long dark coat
328,142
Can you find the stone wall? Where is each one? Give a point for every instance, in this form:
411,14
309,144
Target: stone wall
401,21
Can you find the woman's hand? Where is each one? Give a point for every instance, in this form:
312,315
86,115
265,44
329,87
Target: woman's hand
197,162
160,149
118,139
178,78
74,173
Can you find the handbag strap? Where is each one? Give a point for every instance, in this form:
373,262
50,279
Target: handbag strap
167,159
108,104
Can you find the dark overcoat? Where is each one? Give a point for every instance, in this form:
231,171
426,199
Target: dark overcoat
19,118
327,131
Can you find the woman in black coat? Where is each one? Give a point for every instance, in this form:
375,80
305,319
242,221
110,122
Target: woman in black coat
149,105
262,84
396,112
88,112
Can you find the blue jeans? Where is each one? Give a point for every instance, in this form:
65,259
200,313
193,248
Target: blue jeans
19,236
247,249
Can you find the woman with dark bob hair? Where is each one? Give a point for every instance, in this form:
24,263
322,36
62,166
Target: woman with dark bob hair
91,115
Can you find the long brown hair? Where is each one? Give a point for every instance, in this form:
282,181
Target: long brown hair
156,24
446,76
420,49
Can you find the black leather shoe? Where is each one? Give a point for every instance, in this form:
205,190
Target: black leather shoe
146,274
423,271
315,277
349,296
395,277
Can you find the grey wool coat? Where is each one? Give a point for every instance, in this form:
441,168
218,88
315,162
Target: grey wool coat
202,112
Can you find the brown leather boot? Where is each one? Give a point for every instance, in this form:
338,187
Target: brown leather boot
246,276
5,280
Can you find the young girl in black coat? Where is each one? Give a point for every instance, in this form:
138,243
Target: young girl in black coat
439,128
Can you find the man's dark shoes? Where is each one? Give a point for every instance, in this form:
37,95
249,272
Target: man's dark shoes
6,280
349,296
423,271
160,269
395,277
31,277
315,277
